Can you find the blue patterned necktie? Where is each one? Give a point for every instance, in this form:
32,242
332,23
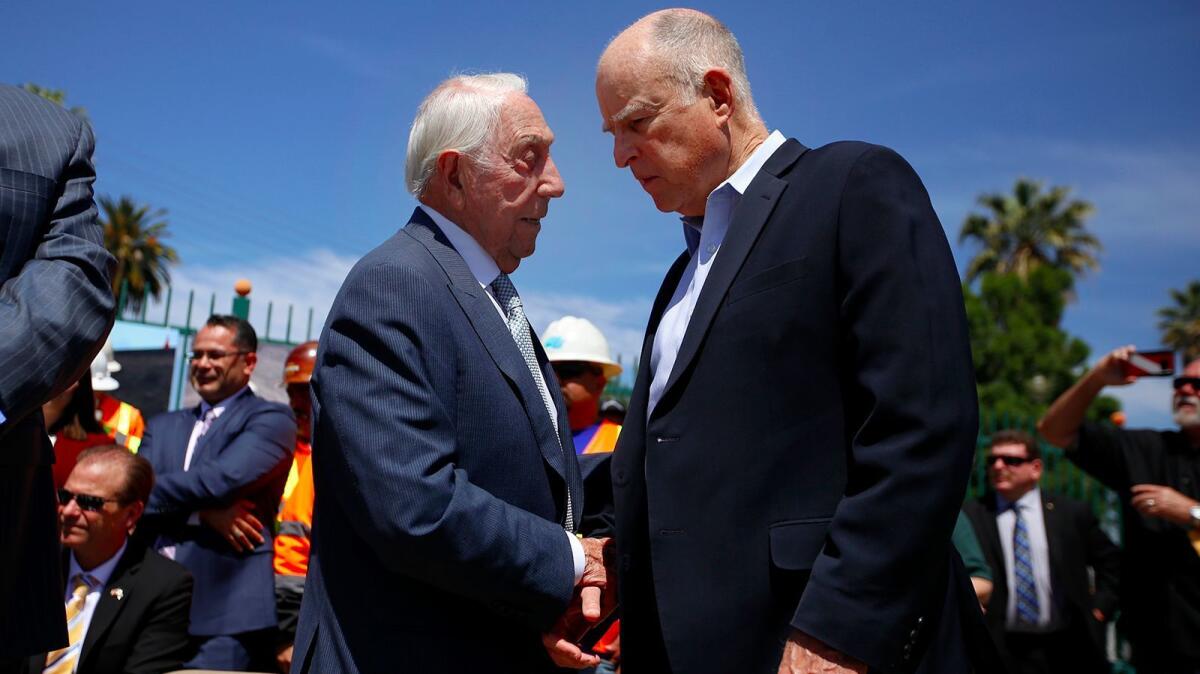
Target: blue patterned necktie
506,294
1026,586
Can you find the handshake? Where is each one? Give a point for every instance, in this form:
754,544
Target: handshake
594,600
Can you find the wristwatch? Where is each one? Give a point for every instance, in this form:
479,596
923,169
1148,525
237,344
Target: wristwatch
1194,511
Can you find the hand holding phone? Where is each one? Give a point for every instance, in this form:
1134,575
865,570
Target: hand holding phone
1158,363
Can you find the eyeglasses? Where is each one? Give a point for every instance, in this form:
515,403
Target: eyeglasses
84,501
1180,382
213,355
1008,460
569,370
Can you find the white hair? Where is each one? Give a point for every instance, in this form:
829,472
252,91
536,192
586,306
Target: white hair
691,43
461,114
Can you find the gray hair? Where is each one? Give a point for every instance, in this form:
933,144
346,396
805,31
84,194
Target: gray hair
690,43
461,114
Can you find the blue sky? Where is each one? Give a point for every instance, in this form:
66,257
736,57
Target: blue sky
274,133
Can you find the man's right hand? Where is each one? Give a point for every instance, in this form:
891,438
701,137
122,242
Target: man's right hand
595,598
1110,371
235,523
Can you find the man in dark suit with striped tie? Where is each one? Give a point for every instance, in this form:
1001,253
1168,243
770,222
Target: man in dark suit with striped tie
56,307
447,489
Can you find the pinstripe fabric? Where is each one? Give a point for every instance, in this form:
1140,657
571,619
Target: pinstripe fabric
55,309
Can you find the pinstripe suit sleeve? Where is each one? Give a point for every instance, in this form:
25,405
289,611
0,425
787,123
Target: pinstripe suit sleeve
55,312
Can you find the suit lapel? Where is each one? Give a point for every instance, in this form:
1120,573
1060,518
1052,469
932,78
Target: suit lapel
218,425
1052,521
746,222
492,331
112,598
641,384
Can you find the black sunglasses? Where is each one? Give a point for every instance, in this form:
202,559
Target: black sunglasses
1008,460
1180,382
84,501
573,370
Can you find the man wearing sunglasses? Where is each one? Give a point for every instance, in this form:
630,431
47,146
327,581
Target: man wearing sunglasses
1157,476
234,449
126,605
1044,614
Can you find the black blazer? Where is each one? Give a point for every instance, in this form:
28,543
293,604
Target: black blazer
140,625
56,308
807,460
1076,544
245,454
441,486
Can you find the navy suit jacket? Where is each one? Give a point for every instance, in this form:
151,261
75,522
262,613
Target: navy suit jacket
245,454
806,462
56,306
438,541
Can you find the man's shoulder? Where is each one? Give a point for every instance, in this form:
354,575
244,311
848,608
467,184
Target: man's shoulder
32,115
153,568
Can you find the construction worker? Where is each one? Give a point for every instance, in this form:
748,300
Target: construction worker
579,354
119,419
292,543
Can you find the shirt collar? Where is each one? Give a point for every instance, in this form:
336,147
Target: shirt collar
739,182
482,266
1029,501
102,572
220,406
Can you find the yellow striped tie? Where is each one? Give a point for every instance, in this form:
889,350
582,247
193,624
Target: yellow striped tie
63,660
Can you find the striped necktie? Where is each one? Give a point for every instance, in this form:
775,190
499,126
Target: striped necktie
63,660
506,294
1026,587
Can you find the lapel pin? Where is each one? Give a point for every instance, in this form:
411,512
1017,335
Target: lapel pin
117,592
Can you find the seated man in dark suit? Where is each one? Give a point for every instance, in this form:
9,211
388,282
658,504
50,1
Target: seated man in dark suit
1044,613
126,605
234,449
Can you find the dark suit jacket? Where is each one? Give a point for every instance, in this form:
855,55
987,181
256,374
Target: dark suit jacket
56,306
438,541
245,454
1076,544
807,460
145,631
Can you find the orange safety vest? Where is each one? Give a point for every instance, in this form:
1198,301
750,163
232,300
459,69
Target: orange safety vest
605,439
121,420
292,543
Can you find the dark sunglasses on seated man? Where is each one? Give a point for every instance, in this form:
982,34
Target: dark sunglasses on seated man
1180,382
84,501
1008,460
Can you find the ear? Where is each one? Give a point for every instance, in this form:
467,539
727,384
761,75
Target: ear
718,88
1037,468
135,515
251,362
450,172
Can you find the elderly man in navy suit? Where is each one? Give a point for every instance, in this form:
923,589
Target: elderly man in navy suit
56,306
220,470
447,489
800,434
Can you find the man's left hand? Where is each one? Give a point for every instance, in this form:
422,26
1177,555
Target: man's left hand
1156,500
806,655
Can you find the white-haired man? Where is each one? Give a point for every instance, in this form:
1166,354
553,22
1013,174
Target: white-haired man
801,431
447,486
1157,476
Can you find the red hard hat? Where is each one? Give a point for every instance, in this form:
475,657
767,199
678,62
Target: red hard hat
298,367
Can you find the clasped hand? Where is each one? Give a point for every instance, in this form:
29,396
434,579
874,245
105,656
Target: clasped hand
595,598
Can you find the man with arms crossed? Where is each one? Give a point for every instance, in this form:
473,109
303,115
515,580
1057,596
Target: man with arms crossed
447,490
799,439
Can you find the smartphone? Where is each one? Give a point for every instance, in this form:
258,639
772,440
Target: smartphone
1150,364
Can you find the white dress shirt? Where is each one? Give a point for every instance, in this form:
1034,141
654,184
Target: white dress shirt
704,238
485,270
1031,512
101,574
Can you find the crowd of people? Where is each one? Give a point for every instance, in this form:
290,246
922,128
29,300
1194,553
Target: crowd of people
444,491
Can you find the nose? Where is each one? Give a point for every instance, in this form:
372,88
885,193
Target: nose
623,151
552,185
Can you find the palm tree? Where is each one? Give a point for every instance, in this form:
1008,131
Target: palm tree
1030,228
1180,324
133,234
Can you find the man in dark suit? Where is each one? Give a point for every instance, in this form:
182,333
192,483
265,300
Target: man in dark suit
233,449
127,605
1045,612
447,493
800,434
56,306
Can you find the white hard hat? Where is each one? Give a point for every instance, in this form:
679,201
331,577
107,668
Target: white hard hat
113,365
576,339
102,379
